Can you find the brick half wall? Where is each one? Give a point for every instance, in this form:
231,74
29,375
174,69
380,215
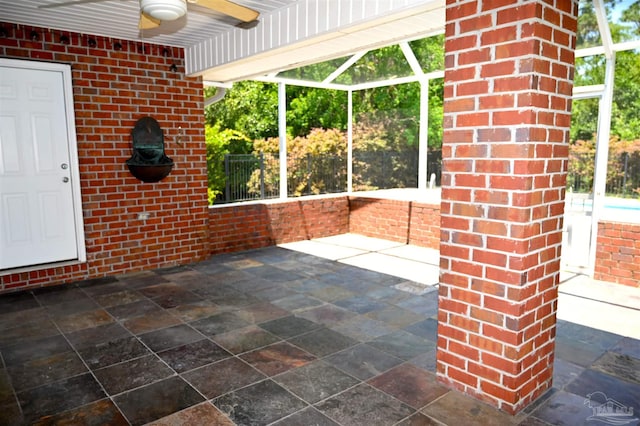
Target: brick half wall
408,222
249,226
254,225
617,253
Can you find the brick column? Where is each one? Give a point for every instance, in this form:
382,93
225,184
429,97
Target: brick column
508,84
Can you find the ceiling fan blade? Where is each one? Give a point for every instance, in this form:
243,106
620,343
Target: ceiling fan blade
68,3
147,22
248,25
237,11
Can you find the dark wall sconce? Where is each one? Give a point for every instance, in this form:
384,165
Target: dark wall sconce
34,35
165,52
64,39
173,68
92,42
117,46
3,32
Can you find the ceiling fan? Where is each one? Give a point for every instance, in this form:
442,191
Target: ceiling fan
153,12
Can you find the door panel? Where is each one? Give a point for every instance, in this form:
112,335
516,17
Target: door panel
9,153
15,207
43,148
37,202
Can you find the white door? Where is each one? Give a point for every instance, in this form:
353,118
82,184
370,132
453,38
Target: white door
38,168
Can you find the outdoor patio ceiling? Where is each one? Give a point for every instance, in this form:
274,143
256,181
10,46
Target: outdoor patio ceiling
291,33
308,32
119,19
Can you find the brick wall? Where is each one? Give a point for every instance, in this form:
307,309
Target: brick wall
254,225
116,82
507,111
617,253
379,218
424,225
408,222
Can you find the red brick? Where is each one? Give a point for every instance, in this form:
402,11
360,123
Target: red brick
487,315
462,376
451,359
495,134
485,344
105,105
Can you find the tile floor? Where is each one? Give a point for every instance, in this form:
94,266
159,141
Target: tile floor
271,336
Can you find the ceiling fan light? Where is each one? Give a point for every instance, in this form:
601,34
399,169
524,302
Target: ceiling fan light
164,10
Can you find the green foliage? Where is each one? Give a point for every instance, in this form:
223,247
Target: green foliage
250,107
380,148
318,141
620,153
380,64
632,16
582,155
436,113
310,108
625,109
397,107
221,142
584,119
387,118
429,52
302,153
625,115
581,165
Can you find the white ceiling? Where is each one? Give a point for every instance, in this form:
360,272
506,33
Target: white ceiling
119,19
291,33
245,60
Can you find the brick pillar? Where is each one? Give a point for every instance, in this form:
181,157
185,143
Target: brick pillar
508,84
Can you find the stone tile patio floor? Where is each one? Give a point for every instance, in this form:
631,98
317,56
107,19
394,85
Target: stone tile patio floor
270,336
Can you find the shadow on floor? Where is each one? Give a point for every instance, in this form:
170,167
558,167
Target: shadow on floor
270,336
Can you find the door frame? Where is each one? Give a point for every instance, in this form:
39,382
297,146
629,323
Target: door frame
604,94
72,146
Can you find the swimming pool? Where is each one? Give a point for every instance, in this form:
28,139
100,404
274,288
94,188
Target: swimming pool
615,209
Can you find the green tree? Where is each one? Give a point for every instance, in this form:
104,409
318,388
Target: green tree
314,162
311,108
622,154
219,143
436,113
387,118
625,109
250,107
632,16
625,115
581,165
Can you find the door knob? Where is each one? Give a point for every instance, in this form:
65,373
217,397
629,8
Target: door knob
64,166
65,179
